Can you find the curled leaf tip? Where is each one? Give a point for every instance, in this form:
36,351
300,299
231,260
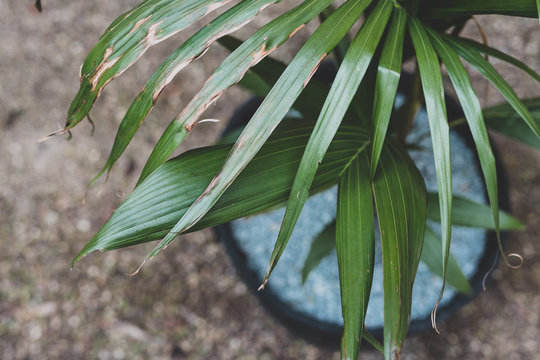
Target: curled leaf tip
434,311
516,256
507,262
434,319
92,124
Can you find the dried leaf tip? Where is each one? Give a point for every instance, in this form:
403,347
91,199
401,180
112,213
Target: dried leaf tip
263,285
514,255
209,120
138,269
57,132
434,317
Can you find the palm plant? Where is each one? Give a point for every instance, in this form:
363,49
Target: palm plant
350,133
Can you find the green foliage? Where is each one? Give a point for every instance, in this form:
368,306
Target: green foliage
355,245
350,135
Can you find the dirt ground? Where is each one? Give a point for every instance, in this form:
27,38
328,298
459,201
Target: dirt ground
188,304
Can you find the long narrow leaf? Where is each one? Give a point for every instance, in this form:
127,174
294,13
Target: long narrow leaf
400,199
310,101
325,242
504,120
345,85
193,48
231,70
321,247
355,245
430,73
487,50
341,48
127,39
388,74
488,71
473,113
469,213
271,111
431,256
444,9
155,206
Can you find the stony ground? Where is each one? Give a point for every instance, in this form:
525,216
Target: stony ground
188,304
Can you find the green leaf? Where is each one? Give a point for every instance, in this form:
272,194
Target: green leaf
400,200
157,204
127,39
431,256
231,70
271,112
487,50
388,74
344,87
430,73
38,6
320,248
255,84
473,113
341,48
444,9
504,120
469,213
192,49
488,71
355,245
310,101
373,341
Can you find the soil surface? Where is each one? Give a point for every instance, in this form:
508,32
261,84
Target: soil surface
188,303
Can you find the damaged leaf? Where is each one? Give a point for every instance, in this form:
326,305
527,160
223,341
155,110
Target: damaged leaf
191,50
127,39
231,70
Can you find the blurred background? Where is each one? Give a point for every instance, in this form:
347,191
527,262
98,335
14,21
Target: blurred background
188,303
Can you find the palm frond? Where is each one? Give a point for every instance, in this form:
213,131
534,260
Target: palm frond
348,78
430,74
400,194
156,205
190,50
127,39
271,111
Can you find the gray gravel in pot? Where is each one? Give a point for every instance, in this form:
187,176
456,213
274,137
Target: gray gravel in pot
319,297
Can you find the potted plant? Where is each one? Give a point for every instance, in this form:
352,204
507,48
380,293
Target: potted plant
348,133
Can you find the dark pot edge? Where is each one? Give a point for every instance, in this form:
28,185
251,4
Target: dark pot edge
329,334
